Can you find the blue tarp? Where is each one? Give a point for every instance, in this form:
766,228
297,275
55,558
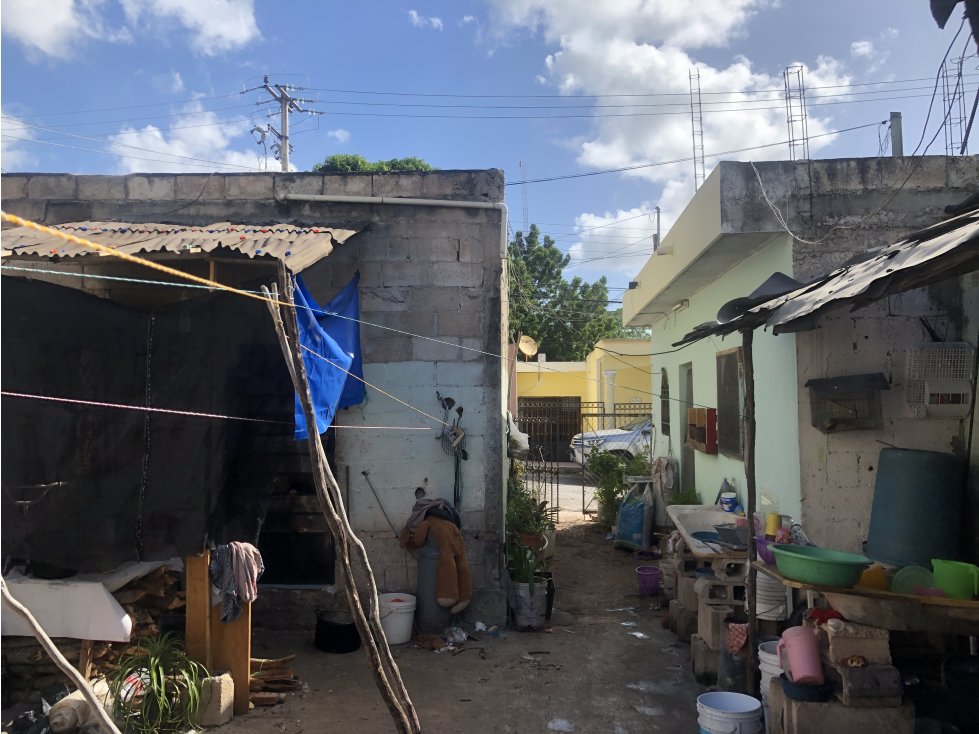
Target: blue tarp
326,373
339,319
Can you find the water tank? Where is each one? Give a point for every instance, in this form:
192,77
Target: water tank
430,616
916,514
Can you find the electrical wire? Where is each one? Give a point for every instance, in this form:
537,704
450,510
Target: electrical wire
641,166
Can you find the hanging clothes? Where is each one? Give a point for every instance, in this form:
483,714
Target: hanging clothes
340,319
326,367
235,569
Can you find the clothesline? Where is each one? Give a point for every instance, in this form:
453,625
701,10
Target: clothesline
189,413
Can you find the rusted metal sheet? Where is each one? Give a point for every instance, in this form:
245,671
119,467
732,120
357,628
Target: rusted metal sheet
297,247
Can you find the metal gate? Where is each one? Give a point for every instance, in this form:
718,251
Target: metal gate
595,418
551,423
541,479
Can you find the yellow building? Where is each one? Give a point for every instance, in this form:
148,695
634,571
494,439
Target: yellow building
557,400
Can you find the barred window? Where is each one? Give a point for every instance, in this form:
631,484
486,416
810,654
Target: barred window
664,403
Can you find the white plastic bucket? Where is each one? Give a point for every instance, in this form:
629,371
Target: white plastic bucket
723,712
397,617
770,667
528,611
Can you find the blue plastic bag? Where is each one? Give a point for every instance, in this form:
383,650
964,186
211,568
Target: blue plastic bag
629,528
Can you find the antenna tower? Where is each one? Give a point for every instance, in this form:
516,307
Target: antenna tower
795,113
953,102
697,129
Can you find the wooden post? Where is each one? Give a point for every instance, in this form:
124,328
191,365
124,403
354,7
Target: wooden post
85,659
231,650
383,666
198,610
751,594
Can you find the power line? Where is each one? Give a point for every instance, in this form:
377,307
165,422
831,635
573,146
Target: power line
130,107
641,166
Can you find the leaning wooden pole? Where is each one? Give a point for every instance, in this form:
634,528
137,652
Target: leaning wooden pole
751,592
67,668
384,668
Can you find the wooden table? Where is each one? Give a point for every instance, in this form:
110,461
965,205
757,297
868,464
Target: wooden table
887,610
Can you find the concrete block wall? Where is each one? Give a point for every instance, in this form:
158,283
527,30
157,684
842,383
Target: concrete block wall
433,307
874,203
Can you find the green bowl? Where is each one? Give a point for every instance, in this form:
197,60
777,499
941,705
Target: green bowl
819,566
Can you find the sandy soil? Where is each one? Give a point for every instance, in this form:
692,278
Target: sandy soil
589,673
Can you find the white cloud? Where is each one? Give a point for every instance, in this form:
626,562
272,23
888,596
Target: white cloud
60,28
196,134
467,19
216,26
13,155
862,48
340,135
171,83
628,47
421,21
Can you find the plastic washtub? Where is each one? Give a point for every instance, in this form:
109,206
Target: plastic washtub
820,566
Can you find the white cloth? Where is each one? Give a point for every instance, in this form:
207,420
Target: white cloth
80,608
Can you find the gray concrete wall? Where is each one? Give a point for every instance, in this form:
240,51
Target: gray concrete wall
426,271
858,196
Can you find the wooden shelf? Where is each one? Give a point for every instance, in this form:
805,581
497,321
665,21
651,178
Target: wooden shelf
702,430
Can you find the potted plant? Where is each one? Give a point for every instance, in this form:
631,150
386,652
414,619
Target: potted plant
157,689
527,518
528,600
608,469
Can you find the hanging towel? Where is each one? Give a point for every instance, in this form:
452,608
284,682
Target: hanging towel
247,567
326,368
223,579
340,319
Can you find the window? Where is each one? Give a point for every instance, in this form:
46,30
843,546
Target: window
730,399
664,403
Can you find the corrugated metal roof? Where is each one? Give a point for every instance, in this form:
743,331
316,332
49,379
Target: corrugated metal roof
297,247
941,251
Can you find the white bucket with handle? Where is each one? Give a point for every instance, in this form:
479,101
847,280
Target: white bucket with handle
397,617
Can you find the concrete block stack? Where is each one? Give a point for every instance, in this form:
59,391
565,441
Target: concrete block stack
857,663
787,716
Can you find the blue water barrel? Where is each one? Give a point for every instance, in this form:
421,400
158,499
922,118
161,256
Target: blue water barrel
916,515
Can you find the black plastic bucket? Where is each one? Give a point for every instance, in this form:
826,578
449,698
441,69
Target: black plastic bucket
335,632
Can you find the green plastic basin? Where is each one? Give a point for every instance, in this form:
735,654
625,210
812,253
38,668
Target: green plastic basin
819,566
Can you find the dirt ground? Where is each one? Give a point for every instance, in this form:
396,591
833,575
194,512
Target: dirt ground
589,673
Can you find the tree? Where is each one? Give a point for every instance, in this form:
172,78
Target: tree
351,162
566,317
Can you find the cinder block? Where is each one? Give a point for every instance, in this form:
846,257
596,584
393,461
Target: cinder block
711,622
683,621
297,183
51,186
101,188
715,591
249,185
13,187
467,275
803,717
152,187
201,187
349,185
705,661
856,639
686,591
407,272
217,701
873,686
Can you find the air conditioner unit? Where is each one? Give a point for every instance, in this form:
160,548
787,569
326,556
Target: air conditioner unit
936,366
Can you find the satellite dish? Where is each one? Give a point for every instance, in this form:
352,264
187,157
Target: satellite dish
527,346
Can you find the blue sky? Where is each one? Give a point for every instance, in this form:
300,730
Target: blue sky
165,76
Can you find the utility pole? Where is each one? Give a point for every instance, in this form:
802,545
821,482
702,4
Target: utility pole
287,104
897,135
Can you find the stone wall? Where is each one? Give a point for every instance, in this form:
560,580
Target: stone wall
838,470
433,305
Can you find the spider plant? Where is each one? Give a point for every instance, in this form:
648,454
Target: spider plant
157,688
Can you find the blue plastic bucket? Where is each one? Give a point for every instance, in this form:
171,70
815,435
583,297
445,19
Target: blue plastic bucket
723,712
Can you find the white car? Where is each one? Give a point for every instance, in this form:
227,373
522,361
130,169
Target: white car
632,439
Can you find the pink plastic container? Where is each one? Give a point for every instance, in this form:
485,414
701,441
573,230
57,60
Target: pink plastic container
801,655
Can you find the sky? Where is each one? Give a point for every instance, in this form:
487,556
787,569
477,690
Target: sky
537,88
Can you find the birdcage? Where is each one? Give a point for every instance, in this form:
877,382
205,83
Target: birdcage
937,380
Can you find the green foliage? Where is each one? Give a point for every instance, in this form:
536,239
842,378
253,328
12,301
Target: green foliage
638,466
524,512
171,687
566,317
686,497
351,162
609,469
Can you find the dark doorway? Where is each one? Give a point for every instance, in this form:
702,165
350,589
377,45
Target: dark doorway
688,479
